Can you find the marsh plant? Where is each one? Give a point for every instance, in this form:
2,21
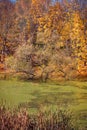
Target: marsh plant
43,120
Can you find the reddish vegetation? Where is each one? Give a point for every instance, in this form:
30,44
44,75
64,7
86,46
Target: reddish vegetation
23,121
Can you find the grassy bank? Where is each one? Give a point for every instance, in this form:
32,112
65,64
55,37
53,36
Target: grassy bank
33,95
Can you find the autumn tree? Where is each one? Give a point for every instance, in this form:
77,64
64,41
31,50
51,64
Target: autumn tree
27,14
6,24
37,10
48,37
74,35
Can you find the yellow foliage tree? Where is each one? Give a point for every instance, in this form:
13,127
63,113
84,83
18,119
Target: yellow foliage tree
73,36
77,37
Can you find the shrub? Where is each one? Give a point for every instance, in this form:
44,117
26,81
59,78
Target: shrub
9,62
43,63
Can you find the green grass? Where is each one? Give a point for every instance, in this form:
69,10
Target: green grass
70,94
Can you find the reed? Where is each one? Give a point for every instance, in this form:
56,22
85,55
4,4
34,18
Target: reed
22,120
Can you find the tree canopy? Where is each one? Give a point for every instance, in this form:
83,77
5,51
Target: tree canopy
44,37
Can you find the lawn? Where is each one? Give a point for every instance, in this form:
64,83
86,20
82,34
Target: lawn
32,95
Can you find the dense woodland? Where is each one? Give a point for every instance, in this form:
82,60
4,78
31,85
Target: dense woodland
44,39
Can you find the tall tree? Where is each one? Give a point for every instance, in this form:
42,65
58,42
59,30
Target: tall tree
6,24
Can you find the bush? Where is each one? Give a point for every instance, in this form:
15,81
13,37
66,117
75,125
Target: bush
9,62
43,64
22,58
